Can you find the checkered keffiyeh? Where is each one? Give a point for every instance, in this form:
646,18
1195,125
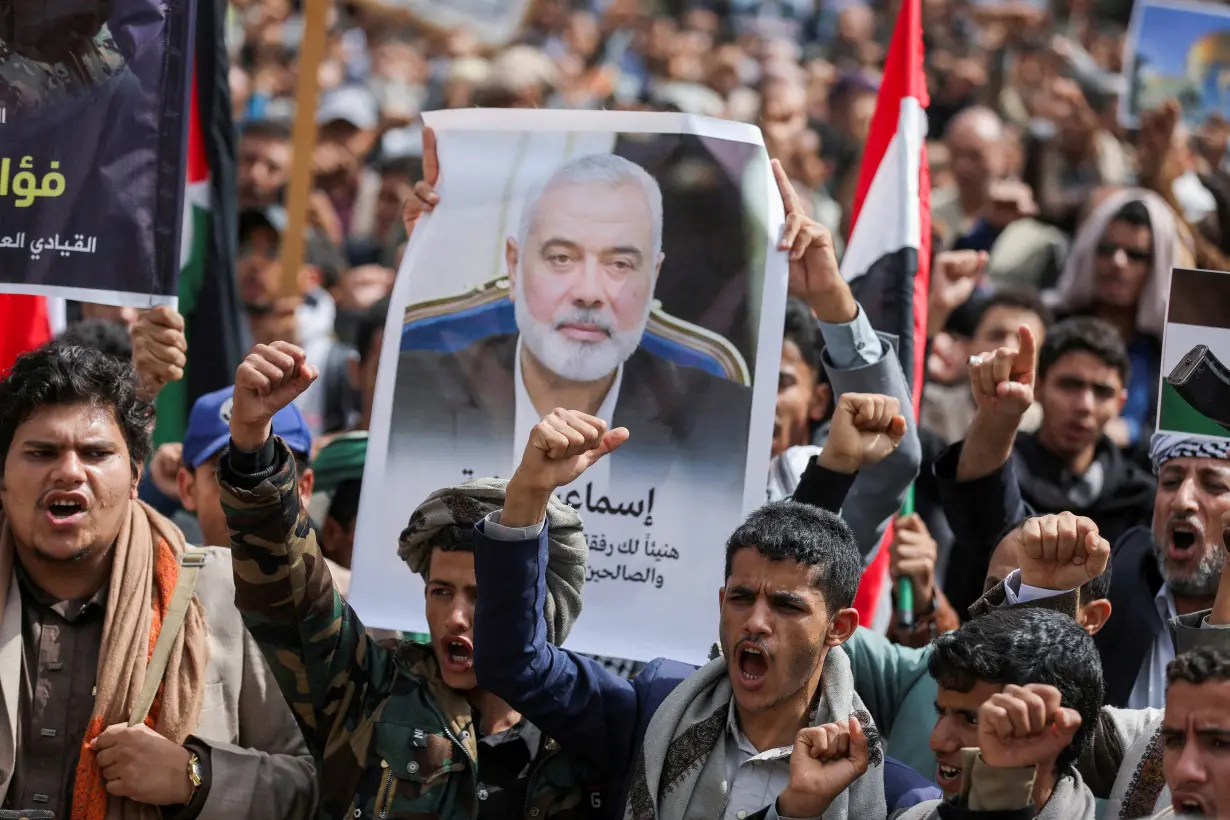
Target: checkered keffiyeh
1165,446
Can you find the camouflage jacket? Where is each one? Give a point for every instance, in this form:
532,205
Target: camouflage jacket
390,739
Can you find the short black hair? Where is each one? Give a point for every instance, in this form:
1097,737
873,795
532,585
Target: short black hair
105,335
371,321
344,506
1199,666
1088,335
277,129
1021,646
1134,213
61,373
816,538
1016,299
801,328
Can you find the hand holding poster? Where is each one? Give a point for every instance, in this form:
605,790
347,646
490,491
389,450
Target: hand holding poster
93,95
615,264
1195,392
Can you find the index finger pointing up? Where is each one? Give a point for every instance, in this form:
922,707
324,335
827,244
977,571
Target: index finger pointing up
790,199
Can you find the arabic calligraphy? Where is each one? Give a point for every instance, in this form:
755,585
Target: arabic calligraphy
80,244
25,184
632,546
603,505
620,572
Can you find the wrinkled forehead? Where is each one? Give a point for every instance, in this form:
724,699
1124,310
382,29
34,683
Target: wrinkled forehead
1190,466
618,209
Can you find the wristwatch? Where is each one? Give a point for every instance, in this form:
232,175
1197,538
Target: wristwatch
1204,383
194,774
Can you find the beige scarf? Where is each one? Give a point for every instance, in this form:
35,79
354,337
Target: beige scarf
144,570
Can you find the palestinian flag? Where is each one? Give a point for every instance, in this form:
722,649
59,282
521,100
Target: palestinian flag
208,296
888,256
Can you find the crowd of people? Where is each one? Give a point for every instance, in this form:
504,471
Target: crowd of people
175,637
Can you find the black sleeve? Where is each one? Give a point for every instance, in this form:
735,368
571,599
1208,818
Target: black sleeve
824,488
979,512
247,470
192,809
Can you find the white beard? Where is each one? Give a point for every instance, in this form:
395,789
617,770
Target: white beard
569,358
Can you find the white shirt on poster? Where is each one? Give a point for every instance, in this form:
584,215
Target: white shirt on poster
528,416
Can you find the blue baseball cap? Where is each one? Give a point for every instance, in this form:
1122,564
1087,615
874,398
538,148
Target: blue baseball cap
209,428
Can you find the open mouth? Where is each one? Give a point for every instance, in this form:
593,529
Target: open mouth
948,778
65,508
1189,806
457,654
1183,540
753,665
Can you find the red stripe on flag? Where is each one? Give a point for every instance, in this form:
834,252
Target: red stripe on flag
198,166
26,325
903,78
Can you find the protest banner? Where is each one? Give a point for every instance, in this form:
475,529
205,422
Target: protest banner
622,264
1177,50
93,131
1195,391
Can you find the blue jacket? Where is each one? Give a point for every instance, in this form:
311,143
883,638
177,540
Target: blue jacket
594,714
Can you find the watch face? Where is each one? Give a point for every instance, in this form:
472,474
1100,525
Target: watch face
54,50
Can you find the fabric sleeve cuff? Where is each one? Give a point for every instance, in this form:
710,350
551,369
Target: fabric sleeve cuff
996,789
852,344
496,531
1018,592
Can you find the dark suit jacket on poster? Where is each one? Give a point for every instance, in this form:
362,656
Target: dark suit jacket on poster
683,421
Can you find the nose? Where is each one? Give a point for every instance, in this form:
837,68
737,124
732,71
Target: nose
759,622
1085,401
587,289
458,620
943,740
69,470
1189,768
1184,498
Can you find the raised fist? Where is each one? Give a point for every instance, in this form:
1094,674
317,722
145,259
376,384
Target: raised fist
1025,726
269,379
159,349
561,447
866,428
912,554
1060,552
1003,380
825,761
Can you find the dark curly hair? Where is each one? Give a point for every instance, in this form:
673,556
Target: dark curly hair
1198,666
61,373
1022,646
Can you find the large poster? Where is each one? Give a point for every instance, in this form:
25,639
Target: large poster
1177,50
1195,391
93,128
623,264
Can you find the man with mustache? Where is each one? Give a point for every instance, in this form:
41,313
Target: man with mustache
1164,569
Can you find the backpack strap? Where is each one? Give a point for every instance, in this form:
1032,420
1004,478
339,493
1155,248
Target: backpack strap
190,564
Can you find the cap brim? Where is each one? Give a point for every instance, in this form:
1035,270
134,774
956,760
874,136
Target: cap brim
212,449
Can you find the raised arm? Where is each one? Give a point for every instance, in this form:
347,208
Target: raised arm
325,665
590,711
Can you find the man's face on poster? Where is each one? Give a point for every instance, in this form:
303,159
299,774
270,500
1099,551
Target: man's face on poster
583,276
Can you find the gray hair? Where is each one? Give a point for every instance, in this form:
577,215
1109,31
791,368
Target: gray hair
608,169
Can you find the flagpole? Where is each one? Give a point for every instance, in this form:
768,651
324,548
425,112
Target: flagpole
303,141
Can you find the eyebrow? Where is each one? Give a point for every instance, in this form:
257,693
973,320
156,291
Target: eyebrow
93,444
788,598
435,582
627,250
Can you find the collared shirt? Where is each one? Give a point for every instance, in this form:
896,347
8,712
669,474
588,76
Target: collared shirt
528,416
60,642
1149,691
755,778
504,762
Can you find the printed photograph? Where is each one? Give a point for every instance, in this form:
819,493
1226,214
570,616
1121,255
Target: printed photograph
1178,51
1195,392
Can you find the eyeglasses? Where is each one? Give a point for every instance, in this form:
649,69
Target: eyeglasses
1110,249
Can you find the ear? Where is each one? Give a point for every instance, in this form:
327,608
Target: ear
821,400
1123,397
1094,615
306,482
511,255
136,481
841,627
721,597
187,489
657,268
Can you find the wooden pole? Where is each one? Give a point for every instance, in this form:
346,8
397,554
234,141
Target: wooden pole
303,141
